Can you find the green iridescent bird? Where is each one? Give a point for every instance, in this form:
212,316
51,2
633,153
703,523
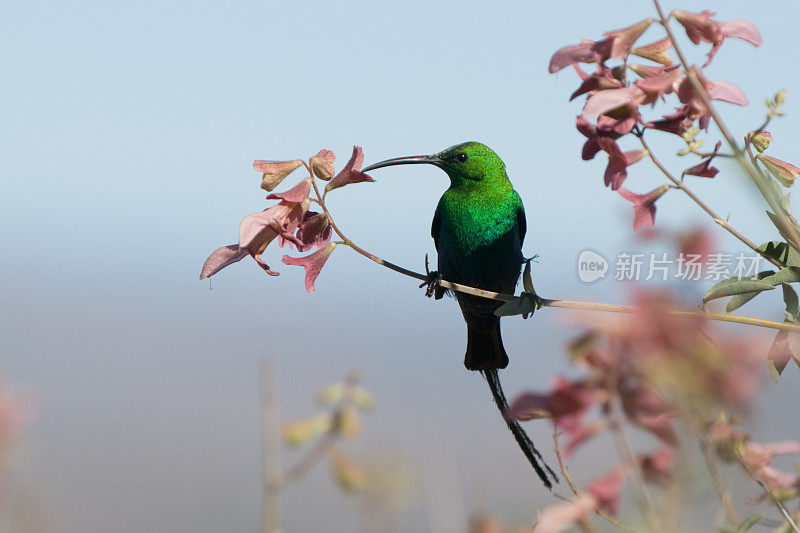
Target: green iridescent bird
478,229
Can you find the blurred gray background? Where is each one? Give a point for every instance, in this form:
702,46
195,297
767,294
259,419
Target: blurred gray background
128,133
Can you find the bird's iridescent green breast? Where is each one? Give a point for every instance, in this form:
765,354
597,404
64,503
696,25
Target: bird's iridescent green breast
473,220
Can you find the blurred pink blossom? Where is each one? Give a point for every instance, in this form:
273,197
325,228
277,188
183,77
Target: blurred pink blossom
312,263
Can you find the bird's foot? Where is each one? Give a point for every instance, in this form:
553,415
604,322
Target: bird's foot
537,302
432,281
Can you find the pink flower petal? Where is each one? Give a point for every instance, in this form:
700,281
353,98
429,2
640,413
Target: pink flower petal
315,231
351,173
606,490
580,434
704,169
742,29
618,162
726,91
274,171
296,194
322,164
565,56
604,101
561,517
657,86
220,258
644,205
623,39
311,263
657,467
655,51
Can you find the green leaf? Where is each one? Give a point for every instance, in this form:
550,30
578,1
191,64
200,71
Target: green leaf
734,286
749,522
517,306
781,252
784,275
776,221
787,343
740,299
527,282
792,302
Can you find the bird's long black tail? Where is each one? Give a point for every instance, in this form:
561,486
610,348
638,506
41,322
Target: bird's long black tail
525,444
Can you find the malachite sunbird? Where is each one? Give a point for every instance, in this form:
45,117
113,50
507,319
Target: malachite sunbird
478,229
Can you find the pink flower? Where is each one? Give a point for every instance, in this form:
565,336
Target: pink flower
322,164
699,27
255,232
645,408
704,169
644,205
622,40
759,457
311,263
717,90
274,171
566,402
606,490
618,161
676,123
351,173
579,434
657,466
560,517
656,51
604,101
584,52
314,231
784,172
657,85
601,80
616,45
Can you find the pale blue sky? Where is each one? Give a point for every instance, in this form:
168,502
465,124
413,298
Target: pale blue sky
128,133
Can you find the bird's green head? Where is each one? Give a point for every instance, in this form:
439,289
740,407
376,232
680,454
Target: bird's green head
468,164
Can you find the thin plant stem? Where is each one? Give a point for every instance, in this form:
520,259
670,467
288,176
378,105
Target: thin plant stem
270,442
320,450
718,219
778,503
785,227
616,426
716,478
561,304
563,467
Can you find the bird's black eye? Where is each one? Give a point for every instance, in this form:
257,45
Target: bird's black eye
462,157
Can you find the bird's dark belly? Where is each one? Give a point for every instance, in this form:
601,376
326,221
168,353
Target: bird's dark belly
493,266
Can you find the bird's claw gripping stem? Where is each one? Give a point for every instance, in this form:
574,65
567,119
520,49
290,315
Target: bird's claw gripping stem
433,280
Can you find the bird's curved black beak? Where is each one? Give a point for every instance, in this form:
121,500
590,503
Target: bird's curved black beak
408,160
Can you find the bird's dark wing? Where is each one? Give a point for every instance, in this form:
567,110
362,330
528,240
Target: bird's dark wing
521,224
435,227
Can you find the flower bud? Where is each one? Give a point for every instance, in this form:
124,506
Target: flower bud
781,170
780,97
760,140
322,164
273,172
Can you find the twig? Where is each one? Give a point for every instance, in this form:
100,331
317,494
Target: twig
719,220
616,426
323,445
563,304
786,229
270,424
779,504
608,518
716,478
